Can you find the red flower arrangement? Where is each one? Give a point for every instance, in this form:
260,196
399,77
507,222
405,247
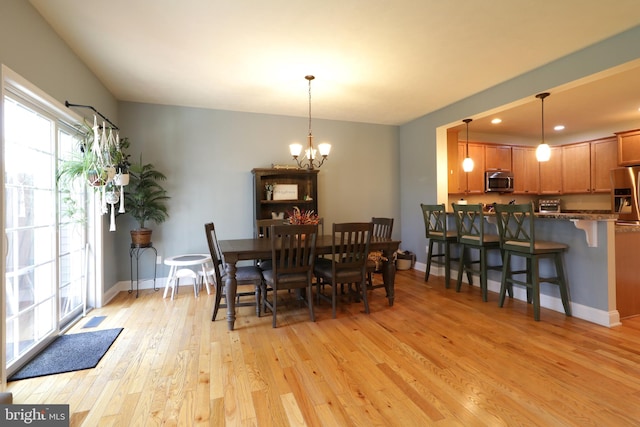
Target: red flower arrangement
301,217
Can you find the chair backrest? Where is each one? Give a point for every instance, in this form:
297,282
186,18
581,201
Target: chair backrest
515,225
293,248
350,247
263,227
435,220
469,222
382,227
215,252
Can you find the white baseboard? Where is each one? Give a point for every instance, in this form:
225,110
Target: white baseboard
590,314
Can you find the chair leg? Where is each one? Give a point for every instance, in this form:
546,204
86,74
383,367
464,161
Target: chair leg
564,289
506,261
429,255
447,264
363,288
535,287
461,267
334,296
274,305
483,273
310,302
258,291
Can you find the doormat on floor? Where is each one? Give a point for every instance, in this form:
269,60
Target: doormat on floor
67,353
94,321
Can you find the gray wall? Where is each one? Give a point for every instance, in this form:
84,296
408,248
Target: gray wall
208,156
32,49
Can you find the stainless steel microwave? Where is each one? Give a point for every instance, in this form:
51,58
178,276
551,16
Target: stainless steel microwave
498,182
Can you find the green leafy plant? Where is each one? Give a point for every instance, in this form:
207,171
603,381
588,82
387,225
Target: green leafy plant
145,198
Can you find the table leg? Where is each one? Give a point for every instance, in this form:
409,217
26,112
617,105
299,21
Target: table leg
389,277
230,289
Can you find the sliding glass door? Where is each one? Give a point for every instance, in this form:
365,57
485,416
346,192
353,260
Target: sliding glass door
45,261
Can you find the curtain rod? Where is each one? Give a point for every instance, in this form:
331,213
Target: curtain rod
69,105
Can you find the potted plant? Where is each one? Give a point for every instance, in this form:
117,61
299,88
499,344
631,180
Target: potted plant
145,199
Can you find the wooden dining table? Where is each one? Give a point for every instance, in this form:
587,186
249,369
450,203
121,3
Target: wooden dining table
256,248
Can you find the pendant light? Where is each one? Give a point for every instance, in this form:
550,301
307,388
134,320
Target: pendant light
543,152
467,163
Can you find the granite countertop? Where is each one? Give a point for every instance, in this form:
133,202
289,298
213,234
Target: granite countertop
585,215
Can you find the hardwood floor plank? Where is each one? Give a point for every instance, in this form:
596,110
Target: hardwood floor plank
436,357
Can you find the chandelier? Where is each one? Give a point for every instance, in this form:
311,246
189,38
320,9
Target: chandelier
310,153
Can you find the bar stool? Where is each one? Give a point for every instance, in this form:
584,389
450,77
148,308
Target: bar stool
517,238
471,235
435,222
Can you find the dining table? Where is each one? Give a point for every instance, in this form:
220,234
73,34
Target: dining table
236,250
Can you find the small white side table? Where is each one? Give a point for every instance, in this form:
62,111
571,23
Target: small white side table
188,260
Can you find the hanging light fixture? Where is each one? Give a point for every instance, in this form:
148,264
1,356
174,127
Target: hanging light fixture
543,152
310,152
467,163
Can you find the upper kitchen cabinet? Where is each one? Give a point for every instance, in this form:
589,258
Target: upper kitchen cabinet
526,176
497,157
550,173
576,173
604,157
475,178
629,148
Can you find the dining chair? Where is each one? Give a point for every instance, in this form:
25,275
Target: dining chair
517,239
382,227
293,253
470,224
435,224
263,231
348,263
245,275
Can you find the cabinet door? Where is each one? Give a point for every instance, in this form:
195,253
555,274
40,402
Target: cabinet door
526,177
629,148
550,173
497,157
475,178
604,157
459,186
576,168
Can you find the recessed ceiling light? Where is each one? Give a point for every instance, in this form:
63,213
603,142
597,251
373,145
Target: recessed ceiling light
496,121
558,127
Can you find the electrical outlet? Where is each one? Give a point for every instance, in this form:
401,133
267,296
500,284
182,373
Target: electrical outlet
158,259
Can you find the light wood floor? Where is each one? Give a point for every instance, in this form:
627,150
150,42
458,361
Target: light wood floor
436,357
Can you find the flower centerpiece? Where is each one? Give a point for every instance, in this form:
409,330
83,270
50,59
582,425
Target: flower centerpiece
301,217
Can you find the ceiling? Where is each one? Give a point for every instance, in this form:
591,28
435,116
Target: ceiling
375,61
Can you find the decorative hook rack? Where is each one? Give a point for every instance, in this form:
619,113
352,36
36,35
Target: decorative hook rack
69,105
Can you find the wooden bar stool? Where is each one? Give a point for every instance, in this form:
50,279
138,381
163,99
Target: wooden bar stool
471,235
517,238
435,223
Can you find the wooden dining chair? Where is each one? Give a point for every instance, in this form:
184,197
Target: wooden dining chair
263,231
470,224
245,275
517,239
293,250
382,227
348,263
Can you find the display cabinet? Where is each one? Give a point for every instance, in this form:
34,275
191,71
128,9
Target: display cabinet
289,188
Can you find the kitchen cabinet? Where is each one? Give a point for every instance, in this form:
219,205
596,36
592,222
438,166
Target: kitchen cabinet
629,148
526,175
454,162
497,157
576,170
475,178
604,157
302,184
550,173
627,279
